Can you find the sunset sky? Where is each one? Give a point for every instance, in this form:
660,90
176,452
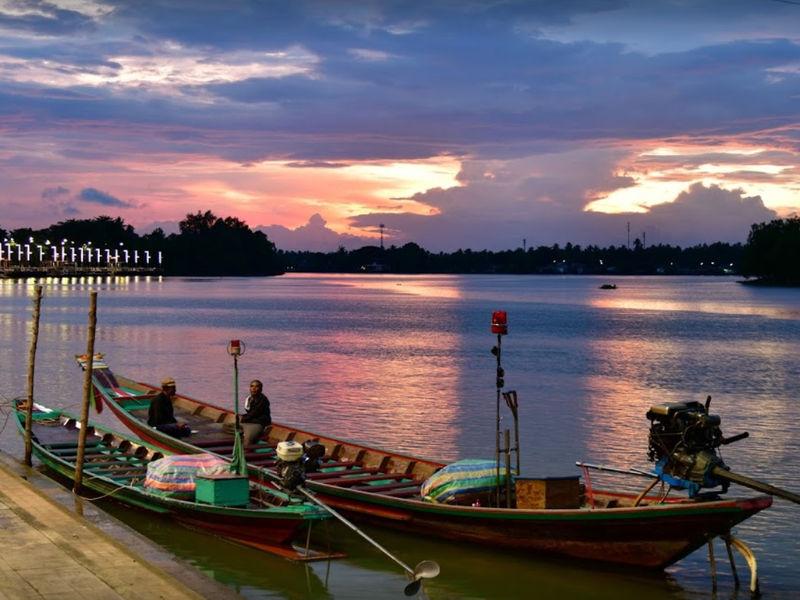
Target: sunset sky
457,123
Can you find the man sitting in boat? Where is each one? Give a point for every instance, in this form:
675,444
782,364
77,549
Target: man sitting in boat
161,416
256,417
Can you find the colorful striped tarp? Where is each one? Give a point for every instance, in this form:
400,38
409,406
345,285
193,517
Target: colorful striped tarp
173,476
466,476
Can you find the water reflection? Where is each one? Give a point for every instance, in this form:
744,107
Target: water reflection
408,367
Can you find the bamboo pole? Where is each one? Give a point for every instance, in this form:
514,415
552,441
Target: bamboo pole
87,391
37,303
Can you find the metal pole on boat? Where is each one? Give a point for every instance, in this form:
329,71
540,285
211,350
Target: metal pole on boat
87,391
238,462
426,569
500,327
37,303
497,425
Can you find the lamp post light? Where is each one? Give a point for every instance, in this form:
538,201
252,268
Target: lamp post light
41,252
97,255
55,253
125,255
28,252
147,257
159,257
135,257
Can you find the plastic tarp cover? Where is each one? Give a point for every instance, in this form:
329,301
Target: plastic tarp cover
462,477
173,476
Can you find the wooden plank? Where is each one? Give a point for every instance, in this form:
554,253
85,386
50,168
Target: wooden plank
115,462
111,469
336,474
127,476
388,486
74,449
340,463
68,445
341,482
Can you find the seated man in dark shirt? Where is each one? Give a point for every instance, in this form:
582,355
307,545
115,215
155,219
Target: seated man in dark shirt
256,417
161,416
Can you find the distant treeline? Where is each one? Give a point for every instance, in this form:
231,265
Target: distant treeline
211,245
714,259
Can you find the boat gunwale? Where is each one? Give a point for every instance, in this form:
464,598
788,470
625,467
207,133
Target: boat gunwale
682,506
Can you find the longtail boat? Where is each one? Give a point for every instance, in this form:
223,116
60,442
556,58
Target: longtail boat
115,465
383,488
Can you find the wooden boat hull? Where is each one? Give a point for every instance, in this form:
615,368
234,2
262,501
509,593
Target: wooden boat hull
649,536
271,529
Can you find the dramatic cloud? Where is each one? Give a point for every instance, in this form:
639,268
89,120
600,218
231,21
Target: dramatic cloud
565,120
729,213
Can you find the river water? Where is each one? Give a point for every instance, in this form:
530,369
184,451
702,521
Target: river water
404,362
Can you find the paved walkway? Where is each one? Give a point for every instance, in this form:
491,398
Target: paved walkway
49,552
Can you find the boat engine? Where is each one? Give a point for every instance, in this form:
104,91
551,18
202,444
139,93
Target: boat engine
313,452
290,464
683,443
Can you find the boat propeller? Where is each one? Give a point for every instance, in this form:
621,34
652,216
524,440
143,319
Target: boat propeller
427,569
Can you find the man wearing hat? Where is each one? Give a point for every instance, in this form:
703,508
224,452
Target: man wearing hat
161,416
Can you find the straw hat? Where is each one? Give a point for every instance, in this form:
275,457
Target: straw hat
167,381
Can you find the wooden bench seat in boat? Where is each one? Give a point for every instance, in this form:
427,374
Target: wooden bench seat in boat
388,486
342,481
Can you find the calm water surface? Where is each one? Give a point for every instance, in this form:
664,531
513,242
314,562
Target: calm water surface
404,362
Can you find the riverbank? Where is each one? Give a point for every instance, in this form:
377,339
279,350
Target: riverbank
64,546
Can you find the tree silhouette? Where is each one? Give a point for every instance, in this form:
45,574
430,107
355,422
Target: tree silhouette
773,252
209,245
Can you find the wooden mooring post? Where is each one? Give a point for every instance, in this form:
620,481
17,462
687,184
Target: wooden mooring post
87,390
37,304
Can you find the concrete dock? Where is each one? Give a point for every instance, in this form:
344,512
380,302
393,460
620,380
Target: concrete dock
48,550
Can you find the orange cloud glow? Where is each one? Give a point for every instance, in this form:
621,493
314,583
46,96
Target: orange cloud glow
661,172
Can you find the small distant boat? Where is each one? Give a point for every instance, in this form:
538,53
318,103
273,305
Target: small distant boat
115,465
608,286
384,488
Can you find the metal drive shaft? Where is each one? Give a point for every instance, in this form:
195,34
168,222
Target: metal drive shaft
754,484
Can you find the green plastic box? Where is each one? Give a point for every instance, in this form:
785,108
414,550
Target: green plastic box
223,489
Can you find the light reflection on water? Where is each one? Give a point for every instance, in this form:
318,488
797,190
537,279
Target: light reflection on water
403,362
